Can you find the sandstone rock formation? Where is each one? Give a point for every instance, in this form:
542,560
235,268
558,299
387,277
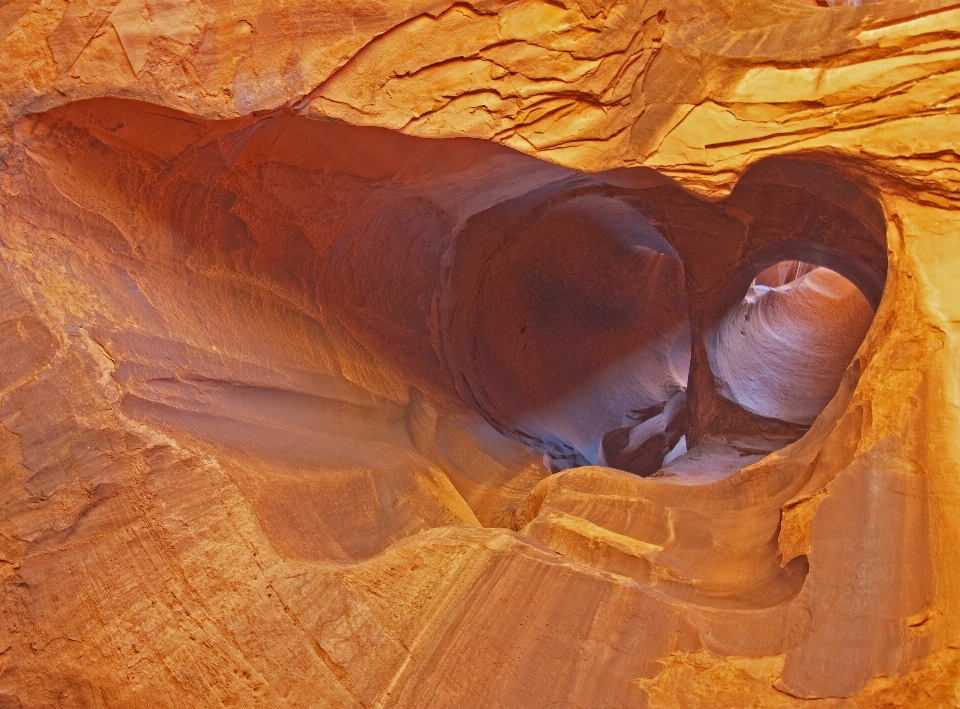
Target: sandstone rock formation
487,354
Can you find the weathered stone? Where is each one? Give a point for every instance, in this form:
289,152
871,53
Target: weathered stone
316,320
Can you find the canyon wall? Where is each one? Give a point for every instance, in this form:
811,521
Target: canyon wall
530,354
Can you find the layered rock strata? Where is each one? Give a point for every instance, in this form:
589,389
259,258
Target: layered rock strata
493,354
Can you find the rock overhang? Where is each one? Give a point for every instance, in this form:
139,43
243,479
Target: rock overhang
871,476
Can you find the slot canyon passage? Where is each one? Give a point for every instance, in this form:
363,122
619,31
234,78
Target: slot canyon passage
493,354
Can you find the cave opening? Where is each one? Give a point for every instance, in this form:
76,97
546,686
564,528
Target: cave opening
308,399
782,351
401,284
619,321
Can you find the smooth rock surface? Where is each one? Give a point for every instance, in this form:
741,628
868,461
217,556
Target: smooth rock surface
314,319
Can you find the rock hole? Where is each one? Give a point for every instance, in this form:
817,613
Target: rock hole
595,319
781,352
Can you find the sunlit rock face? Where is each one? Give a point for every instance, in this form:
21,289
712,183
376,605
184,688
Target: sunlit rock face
499,355
782,352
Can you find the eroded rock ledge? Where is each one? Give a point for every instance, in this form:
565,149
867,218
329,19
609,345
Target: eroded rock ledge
304,412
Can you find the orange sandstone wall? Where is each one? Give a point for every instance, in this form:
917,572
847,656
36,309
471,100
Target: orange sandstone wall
310,329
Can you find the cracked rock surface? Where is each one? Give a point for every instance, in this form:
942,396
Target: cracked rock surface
487,354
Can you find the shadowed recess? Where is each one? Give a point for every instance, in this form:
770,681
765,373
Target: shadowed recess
380,345
594,319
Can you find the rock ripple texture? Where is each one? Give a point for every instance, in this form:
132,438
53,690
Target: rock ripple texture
316,318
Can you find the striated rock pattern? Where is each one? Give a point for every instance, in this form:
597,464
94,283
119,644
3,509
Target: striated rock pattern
781,353
492,354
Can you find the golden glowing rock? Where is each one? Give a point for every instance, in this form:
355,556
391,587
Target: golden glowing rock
316,319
